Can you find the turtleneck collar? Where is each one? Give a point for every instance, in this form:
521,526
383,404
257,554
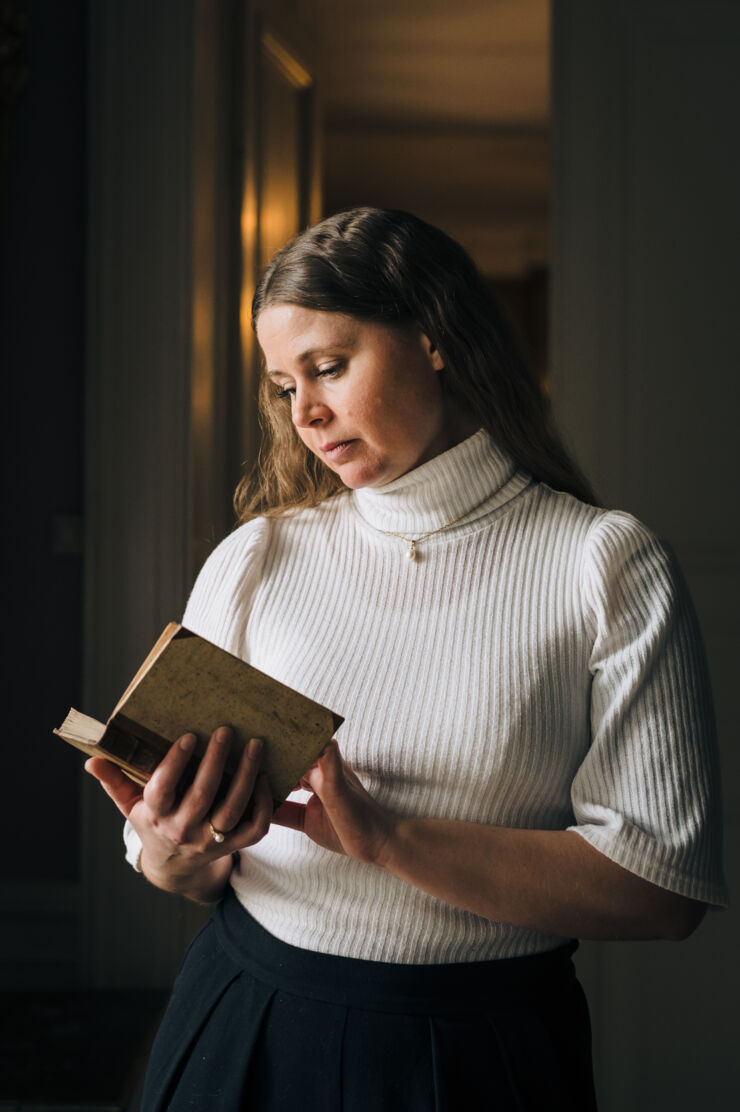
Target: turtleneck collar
469,480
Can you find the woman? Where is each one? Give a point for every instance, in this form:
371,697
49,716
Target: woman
527,755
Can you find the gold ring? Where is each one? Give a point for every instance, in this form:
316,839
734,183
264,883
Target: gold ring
216,834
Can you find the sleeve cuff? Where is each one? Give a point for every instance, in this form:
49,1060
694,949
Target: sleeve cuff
133,846
638,853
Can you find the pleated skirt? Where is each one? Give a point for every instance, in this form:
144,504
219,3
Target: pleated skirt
256,1024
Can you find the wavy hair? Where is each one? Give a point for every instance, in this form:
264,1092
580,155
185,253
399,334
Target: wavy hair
390,267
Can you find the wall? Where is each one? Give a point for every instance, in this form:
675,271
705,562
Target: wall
188,102
646,233
42,328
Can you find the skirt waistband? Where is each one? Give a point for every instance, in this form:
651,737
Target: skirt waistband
386,986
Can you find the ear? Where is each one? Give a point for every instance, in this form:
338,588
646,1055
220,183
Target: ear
432,353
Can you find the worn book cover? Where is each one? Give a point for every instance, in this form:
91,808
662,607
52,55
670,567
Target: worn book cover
187,684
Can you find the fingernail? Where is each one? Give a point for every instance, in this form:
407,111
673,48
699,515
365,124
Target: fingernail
255,746
223,734
187,743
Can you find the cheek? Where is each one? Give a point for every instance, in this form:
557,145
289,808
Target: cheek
369,408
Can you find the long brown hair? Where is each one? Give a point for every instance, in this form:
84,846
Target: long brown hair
391,267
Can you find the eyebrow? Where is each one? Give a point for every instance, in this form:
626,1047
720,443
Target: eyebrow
309,353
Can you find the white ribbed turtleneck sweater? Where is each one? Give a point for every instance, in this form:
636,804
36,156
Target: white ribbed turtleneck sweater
538,666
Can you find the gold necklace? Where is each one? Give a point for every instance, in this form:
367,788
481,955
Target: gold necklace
413,541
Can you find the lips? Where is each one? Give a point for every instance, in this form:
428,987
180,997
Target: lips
336,448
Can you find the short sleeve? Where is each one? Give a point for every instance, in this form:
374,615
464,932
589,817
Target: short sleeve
647,794
218,608
220,601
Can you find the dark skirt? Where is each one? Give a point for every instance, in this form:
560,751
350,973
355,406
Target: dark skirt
256,1024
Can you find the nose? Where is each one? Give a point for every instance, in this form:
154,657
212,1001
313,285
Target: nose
307,410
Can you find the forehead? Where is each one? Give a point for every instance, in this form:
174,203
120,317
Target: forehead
290,331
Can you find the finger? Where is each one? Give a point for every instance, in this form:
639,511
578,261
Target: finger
198,799
255,828
290,814
231,809
161,792
122,790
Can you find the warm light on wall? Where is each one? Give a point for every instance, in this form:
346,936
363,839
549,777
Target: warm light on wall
249,229
278,223
249,218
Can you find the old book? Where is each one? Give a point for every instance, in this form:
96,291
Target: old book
187,684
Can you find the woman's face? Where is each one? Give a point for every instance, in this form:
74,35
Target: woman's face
365,398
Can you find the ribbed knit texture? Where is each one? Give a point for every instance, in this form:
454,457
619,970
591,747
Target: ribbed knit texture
538,666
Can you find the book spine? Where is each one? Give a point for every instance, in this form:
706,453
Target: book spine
133,744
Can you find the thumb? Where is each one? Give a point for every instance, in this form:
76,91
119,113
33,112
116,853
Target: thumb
290,814
122,790
327,774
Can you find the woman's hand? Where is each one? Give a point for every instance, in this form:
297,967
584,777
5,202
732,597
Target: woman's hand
340,815
180,854
546,880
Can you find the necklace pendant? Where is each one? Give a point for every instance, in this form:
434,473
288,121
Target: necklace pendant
411,554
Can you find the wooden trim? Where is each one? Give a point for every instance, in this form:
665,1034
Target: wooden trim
285,61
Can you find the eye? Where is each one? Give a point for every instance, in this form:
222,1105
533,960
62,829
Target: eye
334,369
324,372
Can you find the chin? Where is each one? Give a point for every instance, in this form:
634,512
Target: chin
357,483
356,478
375,481
357,473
